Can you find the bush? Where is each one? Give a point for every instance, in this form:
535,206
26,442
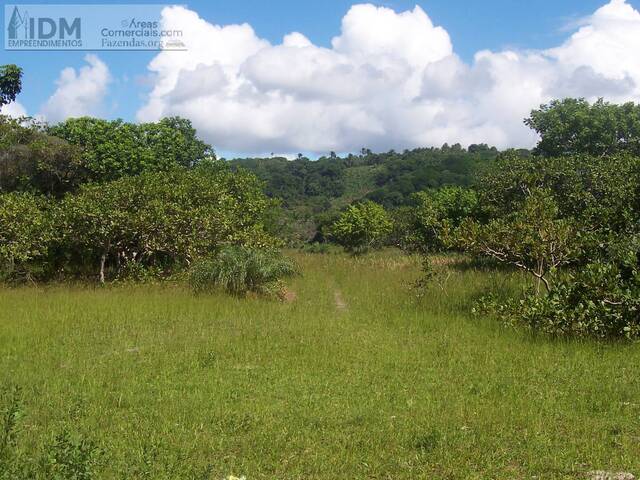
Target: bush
240,270
533,238
361,227
602,300
26,234
424,227
164,221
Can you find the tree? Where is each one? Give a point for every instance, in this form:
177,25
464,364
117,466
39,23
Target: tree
26,231
10,83
164,219
113,149
532,238
31,160
574,126
601,299
435,214
600,196
361,227
575,203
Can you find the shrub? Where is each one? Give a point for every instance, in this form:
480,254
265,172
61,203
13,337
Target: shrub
532,239
26,233
601,300
70,457
164,220
240,270
361,227
424,227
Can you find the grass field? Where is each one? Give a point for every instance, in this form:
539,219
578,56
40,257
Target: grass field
353,379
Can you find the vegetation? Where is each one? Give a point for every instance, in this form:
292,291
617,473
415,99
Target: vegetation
532,238
426,227
361,227
240,270
579,212
547,240
573,126
92,198
315,192
354,379
113,149
26,232
164,220
10,83
161,221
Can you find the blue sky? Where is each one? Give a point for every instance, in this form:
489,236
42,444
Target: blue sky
473,26
495,25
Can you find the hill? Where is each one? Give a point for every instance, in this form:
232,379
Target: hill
313,192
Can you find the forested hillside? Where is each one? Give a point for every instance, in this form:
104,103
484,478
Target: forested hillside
314,191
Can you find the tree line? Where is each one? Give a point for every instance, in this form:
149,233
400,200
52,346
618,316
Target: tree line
568,215
90,198
313,192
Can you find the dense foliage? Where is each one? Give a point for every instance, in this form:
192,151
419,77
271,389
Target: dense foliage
54,160
75,209
314,192
574,126
110,199
361,227
113,149
571,220
164,220
10,83
532,238
32,160
600,300
426,226
26,233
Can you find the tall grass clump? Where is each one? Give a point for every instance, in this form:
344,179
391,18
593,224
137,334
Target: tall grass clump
240,270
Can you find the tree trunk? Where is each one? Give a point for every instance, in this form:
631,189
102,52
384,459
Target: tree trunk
103,261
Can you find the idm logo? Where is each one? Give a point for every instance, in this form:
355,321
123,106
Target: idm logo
23,26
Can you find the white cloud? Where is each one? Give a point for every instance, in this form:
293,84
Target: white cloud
389,80
79,93
14,109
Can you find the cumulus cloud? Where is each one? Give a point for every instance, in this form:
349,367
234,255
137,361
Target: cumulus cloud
389,80
14,109
79,93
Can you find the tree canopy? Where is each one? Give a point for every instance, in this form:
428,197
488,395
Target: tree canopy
574,126
10,83
112,149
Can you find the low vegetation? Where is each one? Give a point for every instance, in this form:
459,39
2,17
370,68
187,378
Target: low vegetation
357,378
361,227
196,360
241,270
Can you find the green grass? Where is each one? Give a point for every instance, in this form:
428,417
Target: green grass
354,379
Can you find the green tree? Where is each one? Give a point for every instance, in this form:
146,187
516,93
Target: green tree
31,160
574,126
164,219
10,83
361,227
113,149
599,196
26,232
532,238
435,214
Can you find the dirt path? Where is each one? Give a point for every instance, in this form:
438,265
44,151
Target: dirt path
341,305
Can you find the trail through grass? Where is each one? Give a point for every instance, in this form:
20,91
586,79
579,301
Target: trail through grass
171,386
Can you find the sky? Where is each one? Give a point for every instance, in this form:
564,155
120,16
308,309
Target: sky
288,76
